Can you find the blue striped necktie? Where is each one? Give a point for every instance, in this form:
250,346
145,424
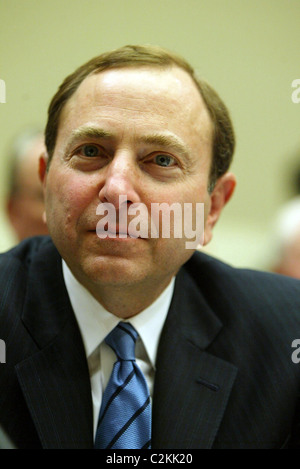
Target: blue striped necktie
125,414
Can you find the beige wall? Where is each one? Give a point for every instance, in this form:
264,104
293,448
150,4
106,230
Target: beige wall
247,49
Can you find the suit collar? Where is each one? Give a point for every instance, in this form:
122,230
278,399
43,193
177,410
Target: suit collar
54,382
192,386
45,287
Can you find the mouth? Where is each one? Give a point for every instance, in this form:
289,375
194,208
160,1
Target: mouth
115,233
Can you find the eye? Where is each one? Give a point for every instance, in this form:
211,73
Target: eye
164,160
90,150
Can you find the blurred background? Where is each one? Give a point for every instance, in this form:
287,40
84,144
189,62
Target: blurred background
247,49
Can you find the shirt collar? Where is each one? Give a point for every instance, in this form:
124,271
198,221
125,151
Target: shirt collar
95,322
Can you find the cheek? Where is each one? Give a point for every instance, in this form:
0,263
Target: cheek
66,199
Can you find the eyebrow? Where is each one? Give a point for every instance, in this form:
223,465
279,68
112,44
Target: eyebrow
155,139
166,141
87,132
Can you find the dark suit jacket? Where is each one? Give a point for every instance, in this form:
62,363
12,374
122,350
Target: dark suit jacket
224,379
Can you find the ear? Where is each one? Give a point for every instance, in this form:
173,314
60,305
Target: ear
43,160
219,197
11,210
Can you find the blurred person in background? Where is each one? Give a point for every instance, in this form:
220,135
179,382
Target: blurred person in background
287,239
5,442
25,204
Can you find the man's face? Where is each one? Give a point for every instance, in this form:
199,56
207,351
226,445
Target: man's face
140,132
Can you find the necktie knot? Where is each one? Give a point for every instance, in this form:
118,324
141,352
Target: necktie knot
122,340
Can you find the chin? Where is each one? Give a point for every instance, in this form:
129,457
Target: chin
116,272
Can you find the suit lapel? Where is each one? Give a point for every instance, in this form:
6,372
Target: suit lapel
192,386
55,380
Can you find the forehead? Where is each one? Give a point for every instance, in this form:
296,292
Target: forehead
147,96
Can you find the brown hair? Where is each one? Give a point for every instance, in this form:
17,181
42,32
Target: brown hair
134,56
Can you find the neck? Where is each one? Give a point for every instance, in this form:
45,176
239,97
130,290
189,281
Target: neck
126,301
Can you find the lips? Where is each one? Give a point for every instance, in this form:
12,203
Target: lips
114,232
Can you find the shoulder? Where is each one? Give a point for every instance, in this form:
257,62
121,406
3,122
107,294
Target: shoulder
22,255
16,266
259,311
26,273
209,270
240,290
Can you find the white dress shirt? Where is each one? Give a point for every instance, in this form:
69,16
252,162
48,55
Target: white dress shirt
95,323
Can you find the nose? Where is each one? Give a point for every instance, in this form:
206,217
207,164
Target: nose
121,179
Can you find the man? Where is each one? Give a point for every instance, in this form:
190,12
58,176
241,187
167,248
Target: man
25,204
287,235
134,128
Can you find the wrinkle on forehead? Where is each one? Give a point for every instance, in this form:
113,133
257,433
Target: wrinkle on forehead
168,95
